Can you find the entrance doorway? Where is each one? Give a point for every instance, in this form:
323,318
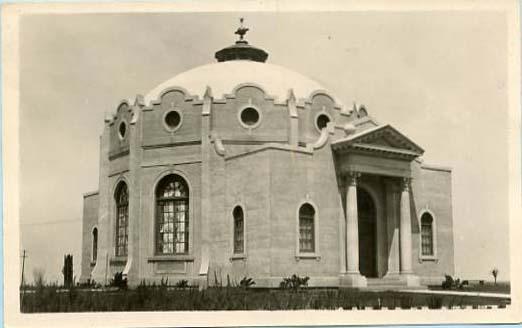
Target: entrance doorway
367,234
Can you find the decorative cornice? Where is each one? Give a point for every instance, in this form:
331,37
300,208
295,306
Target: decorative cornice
172,144
309,99
432,167
91,193
119,153
172,163
273,146
187,96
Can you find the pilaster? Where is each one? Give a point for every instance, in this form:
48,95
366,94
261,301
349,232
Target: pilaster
206,131
132,270
293,133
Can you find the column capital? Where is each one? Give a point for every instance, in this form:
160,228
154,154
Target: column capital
352,177
405,184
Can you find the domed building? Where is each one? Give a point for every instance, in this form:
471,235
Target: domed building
242,168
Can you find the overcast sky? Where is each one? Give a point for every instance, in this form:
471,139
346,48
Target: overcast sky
440,78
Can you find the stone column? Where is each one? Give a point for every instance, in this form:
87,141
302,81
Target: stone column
342,229
353,277
405,228
405,235
352,224
392,224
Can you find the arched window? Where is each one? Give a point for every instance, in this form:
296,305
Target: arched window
94,244
306,229
427,234
172,216
122,219
239,230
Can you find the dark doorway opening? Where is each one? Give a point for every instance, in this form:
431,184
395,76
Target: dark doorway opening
367,234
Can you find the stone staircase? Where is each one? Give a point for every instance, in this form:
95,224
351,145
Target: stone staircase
383,284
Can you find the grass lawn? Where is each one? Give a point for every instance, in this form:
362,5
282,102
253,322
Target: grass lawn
487,287
149,298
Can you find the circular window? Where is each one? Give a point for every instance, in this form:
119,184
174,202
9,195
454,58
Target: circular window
321,121
249,116
173,120
122,129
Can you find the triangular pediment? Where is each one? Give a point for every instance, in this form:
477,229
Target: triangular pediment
384,138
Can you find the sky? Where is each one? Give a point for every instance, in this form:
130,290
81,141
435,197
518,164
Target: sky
439,77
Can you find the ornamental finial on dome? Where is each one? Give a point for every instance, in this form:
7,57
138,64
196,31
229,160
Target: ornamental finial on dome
241,30
241,50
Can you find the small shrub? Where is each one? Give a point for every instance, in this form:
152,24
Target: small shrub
119,281
448,282
294,282
246,282
164,282
453,283
183,283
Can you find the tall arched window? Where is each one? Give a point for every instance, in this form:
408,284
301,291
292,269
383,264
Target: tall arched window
427,234
239,230
94,244
172,216
306,229
122,219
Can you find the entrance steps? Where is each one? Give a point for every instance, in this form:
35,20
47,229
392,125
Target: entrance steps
384,284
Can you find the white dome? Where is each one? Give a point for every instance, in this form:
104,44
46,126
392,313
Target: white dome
223,77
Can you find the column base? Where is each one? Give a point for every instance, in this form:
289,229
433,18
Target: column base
392,276
352,280
409,279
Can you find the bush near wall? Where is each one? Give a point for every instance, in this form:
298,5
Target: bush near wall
164,298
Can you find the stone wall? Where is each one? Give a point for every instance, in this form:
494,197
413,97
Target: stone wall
431,188
90,221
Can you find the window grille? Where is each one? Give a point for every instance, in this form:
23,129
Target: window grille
239,230
122,220
172,216
427,234
306,229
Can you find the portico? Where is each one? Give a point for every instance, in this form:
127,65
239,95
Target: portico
378,228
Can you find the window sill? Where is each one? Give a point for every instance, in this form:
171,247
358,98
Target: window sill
235,257
428,258
171,258
118,260
308,256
